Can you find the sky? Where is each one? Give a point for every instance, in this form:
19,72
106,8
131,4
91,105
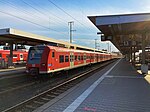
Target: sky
50,17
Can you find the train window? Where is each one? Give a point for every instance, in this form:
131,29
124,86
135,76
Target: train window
6,48
66,58
0,55
53,54
81,57
76,58
15,56
61,58
35,54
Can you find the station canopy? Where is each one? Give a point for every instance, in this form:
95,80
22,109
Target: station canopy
124,31
10,35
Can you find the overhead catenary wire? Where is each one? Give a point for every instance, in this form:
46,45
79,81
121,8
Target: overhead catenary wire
31,22
65,12
30,15
41,11
81,24
38,18
26,18
57,17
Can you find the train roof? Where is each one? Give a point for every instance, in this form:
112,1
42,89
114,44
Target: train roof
77,50
68,50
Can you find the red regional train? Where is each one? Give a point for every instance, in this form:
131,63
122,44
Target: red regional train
18,56
44,59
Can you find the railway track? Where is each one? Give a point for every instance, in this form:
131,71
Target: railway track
44,97
14,80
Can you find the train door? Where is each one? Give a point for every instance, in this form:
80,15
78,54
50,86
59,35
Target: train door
84,58
71,59
54,59
102,57
96,58
90,58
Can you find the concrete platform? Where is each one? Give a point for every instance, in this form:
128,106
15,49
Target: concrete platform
116,88
8,71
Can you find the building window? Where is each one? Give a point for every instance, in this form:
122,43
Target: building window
66,58
61,58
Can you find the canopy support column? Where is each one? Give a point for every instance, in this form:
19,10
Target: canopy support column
10,57
144,66
130,53
134,55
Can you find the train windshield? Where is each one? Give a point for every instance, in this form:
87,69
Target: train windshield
0,55
35,54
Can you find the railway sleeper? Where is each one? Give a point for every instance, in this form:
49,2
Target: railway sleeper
60,91
64,88
46,99
31,106
24,109
38,102
67,87
55,93
71,85
50,95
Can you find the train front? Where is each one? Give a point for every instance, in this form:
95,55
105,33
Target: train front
37,60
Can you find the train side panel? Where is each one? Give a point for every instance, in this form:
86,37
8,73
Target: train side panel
56,59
